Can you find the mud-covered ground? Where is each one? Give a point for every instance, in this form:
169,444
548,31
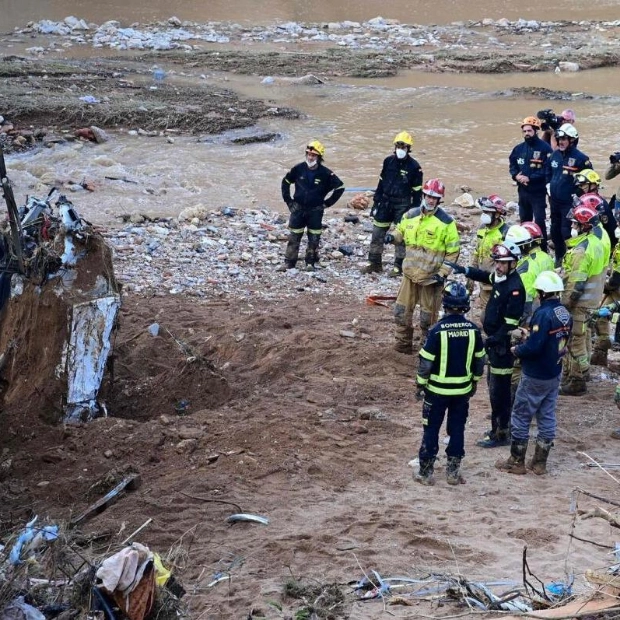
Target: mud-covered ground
297,409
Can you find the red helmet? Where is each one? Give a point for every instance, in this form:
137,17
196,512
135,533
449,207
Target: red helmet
434,187
584,215
533,228
594,201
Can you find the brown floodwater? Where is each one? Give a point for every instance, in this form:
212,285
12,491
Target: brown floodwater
464,126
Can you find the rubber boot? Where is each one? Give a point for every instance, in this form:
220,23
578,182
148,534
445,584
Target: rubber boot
453,471
312,251
497,439
574,387
372,268
599,354
292,248
397,270
515,463
404,340
425,472
538,463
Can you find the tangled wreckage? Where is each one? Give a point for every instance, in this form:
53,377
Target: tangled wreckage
59,301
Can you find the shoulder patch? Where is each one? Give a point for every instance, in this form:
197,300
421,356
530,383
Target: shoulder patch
516,292
562,314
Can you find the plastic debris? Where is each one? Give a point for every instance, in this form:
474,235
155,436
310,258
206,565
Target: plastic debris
30,539
241,516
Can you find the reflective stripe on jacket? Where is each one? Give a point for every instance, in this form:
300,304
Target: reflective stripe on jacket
452,357
583,270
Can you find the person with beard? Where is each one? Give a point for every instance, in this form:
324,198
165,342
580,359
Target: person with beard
564,163
528,168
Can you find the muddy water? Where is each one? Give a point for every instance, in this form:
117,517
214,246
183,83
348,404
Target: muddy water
464,125
19,12
463,133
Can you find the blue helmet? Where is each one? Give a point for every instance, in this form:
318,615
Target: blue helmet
455,297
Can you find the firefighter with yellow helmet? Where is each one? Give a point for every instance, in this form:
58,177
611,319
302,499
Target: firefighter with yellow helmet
528,168
399,189
316,188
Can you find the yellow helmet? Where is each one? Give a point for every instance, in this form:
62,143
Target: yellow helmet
587,176
404,137
317,147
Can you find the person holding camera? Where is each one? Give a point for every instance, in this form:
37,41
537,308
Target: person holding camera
613,170
399,189
550,123
528,168
316,189
563,165
451,364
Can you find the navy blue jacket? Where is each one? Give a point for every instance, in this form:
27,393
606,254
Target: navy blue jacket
541,354
311,187
560,173
400,181
532,160
452,357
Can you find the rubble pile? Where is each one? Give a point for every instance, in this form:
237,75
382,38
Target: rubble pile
206,253
375,34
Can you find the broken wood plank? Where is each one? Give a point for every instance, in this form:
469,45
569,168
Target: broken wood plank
130,483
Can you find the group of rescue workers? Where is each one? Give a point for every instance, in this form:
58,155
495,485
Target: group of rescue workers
545,320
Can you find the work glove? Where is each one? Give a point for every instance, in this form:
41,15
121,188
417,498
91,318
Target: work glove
438,279
602,313
472,392
457,268
419,395
389,238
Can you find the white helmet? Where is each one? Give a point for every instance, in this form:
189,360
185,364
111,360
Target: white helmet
518,234
548,282
507,251
567,130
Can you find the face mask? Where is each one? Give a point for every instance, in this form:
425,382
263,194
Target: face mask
426,208
401,153
311,162
486,218
617,233
500,278
574,232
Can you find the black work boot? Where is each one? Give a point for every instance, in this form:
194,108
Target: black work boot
453,471
495,439
372,268
425,472
574,387
515,463
538,463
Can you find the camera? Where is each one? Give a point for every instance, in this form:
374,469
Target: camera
614,158
549,120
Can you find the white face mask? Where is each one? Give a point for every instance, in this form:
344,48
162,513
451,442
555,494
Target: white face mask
311,162
401,153
500,278
486,218
574,233
617,233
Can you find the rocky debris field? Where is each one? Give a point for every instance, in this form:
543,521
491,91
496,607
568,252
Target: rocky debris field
234,253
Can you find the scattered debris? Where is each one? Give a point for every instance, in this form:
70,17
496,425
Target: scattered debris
245,517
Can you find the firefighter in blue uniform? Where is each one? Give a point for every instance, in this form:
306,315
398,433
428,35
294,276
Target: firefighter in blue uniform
564,164
502,317
399,189
316,188
451,364
528,168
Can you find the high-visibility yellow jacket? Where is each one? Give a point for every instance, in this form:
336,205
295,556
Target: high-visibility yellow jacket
429,240
486,238
583,271
603,235
529,266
